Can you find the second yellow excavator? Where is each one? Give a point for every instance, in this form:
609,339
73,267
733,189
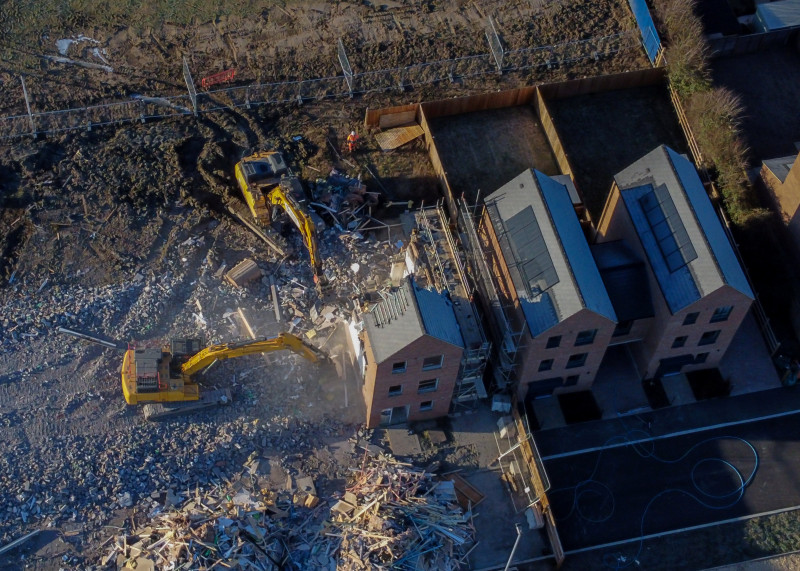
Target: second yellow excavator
165,374
267,184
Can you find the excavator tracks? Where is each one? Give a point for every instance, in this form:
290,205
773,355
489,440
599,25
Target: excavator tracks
208,399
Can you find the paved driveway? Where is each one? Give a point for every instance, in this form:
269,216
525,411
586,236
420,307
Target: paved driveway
672,482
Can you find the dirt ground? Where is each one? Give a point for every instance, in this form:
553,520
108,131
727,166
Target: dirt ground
482,151
603,133
121,230
267,41
768,83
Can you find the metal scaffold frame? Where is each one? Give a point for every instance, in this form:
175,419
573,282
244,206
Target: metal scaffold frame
505,367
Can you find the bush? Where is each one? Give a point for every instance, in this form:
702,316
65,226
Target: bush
714,114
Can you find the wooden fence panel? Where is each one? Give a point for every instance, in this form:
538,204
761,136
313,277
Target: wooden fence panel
737,45
601,83
373,116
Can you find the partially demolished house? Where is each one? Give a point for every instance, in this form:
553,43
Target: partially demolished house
554,302
420,346
411,348
659,208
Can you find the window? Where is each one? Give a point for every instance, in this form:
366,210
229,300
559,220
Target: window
546,365
428,386
679,341
399,367
585,337
709,337
623,328
721,314
578,360
426,405
432,362
554,342
395,390
571,381
700,358
691,318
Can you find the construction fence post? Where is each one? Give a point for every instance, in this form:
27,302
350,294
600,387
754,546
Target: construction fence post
346,69
28,106
495,45
187,75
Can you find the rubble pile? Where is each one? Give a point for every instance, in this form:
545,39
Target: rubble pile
391,515
396,515
344,198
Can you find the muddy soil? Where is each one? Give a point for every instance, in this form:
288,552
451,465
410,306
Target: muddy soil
121,230
145,44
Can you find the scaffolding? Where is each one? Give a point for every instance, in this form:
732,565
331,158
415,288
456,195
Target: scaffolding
505,363
445,269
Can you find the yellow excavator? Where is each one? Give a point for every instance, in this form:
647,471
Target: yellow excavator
158,375
267,184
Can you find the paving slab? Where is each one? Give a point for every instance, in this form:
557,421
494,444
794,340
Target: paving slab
403,444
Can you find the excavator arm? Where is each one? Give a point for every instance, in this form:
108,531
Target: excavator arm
278,197
283,341
204,358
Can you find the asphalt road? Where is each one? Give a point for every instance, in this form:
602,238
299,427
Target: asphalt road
675,482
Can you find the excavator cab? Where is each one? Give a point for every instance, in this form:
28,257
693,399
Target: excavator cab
269,187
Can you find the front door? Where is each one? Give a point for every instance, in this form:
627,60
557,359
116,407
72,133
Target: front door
396,415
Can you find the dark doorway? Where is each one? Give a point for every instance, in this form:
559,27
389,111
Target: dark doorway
579,407
673,365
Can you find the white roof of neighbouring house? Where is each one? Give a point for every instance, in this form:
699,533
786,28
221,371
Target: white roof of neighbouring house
546,252
681,233
406,314
778,15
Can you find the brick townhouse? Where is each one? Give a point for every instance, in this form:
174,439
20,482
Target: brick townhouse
659,209
550,287
410,353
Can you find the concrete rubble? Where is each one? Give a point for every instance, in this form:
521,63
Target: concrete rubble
391,514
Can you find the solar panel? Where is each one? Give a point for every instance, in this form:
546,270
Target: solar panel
667,228
526,252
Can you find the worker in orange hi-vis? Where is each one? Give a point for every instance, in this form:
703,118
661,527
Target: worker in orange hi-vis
352,138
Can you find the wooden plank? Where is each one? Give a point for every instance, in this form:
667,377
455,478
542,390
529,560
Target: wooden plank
243,272
397,137
373,116
465,492
389,120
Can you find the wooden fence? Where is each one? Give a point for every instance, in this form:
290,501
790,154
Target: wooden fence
538,479
737,45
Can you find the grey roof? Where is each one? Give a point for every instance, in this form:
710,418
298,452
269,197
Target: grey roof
625,277
406,314
545,251
687,247
781,167
778,15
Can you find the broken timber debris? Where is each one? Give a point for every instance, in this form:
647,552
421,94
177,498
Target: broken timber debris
243,273
392,515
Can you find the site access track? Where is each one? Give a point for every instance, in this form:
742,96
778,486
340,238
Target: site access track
674,468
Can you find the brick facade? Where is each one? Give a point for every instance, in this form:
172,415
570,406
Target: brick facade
381,379
669,336
532,372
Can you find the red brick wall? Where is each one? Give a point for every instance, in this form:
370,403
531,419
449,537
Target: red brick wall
379,378
536,351
664,328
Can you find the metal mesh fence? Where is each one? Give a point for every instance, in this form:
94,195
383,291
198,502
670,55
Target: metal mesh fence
495,45
142,108
187,75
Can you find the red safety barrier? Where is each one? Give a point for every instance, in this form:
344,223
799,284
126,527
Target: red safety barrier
220,77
